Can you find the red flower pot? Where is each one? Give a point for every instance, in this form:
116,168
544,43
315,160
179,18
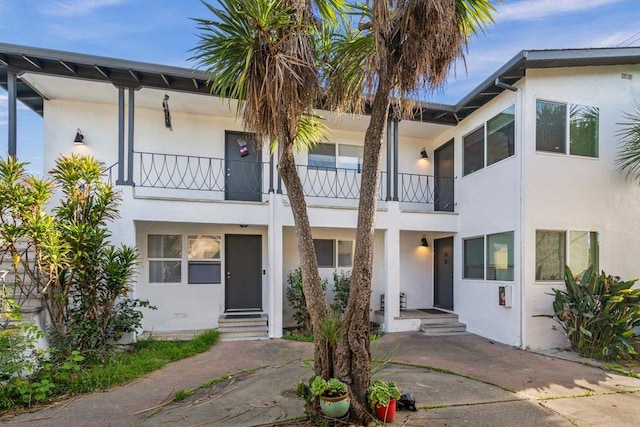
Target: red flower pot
387,413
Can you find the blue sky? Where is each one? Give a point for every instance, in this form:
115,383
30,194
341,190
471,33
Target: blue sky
161,31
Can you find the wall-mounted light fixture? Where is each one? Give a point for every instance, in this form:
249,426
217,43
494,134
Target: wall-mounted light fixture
424,241
423,154
79,139
167,113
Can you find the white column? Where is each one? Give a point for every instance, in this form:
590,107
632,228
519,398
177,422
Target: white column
392,258
275,257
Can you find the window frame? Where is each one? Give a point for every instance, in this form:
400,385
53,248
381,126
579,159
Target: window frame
567,252
513,249
151,259
336,157
464,257
214,261
336,255
485,141
567,130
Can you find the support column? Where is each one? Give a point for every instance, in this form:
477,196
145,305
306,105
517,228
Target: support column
389,159
392,274
395,160
121,179
130,125
12,110
275,257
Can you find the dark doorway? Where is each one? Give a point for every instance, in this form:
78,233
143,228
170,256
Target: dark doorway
444,173
243,267
443,273
243,166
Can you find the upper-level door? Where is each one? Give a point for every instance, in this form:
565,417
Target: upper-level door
444,173
243,167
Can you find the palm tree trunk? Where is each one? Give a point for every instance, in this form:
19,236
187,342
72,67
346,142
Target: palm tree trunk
353,359
311,283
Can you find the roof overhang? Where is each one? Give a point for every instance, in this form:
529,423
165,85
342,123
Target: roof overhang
132,74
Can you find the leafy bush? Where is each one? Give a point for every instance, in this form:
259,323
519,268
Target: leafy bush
295,296
342,285
598,314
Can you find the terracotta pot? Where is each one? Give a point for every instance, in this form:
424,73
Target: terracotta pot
335,407
387,413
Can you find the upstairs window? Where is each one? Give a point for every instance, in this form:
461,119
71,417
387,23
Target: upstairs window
331,156
557,123
491,143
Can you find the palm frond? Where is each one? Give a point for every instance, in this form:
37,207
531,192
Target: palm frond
628,159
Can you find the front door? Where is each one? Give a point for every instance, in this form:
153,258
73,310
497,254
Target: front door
243,167
443,273
243,267
444,173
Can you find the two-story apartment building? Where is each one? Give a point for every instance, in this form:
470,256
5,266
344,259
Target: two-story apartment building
481,203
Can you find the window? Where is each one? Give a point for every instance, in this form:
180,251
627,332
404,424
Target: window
330,156
499,134
552,252
325,253
165,258
500,256
345,253
473,258
552,131
204,260
322,156
473,146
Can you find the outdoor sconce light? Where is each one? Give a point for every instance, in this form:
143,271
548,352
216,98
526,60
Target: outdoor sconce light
424,241
423,154
79,139
167,113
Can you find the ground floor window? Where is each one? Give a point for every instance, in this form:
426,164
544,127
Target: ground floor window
326,250
489,257
557,248
473,258
200,253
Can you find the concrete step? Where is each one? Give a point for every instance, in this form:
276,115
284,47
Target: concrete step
443,328
171,335
238,334
245,323
438,319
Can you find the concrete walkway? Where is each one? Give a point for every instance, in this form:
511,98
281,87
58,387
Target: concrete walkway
473,382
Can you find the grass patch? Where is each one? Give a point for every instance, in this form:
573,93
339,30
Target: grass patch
298,336
146,356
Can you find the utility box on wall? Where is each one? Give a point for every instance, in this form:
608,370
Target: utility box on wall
504,296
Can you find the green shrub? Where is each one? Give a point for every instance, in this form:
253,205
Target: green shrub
598,314
295,296
342,285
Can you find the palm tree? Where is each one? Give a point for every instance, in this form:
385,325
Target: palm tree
629,155
401,48
261,53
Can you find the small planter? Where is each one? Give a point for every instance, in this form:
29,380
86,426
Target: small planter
387,413
335,407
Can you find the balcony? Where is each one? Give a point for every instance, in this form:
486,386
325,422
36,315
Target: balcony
196,177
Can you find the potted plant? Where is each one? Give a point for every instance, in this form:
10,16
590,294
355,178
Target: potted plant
333,395
383,396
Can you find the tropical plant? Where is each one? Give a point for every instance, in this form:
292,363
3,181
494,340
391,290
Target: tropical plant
629,154
380,393
598,314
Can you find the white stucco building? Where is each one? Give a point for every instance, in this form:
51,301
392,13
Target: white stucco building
516,180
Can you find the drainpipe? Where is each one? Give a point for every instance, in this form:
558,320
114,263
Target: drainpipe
521,100
120,180
130,124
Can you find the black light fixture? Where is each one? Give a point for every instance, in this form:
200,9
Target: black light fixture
167,113
424,154
79,139
424,241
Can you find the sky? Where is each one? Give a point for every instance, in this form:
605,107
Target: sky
162,32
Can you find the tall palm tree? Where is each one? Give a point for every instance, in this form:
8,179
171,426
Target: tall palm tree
629,155
261,53
401,48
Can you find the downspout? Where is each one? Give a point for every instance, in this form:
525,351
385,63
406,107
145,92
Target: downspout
130,134
120,180
521,101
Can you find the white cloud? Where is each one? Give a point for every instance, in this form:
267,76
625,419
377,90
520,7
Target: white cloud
529,10
77,7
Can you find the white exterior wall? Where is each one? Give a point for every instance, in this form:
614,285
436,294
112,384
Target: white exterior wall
566,192
487,202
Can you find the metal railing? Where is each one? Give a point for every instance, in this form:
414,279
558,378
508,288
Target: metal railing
110,173
182,172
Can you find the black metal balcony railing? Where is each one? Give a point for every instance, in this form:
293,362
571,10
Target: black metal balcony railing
237,179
